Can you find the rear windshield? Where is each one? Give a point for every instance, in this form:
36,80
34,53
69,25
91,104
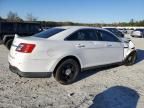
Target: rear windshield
48,33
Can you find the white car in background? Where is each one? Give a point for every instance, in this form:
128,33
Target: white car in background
138,33
65,51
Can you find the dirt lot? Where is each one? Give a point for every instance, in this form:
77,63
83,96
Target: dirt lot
115,87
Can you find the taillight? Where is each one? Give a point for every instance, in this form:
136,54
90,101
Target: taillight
25,47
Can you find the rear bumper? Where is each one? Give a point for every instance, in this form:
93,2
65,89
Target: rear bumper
25,64
30,74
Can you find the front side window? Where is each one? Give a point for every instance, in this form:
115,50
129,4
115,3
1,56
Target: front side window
48,33
83,35
115,31
106,36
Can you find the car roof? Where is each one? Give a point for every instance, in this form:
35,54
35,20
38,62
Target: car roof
77,27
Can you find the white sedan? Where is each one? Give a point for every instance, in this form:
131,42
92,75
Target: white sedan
65,51
138,33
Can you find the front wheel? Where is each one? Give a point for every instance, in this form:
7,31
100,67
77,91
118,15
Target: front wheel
130,60
67,71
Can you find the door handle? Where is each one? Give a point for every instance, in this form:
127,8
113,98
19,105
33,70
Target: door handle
109,45
80,45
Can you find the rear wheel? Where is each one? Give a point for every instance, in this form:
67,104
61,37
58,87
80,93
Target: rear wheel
130,60
9,43
67,71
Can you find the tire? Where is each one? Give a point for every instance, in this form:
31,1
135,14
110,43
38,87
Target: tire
130,60
67,71
9,43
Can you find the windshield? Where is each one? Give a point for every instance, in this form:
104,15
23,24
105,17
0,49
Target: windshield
48,33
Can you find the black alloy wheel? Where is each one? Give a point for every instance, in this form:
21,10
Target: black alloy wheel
67,71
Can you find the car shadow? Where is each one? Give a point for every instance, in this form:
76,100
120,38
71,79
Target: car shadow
140,55
116,97
88,73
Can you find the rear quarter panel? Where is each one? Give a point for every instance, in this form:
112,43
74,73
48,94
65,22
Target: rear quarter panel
57,50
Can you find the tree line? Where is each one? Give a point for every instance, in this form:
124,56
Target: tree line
13,16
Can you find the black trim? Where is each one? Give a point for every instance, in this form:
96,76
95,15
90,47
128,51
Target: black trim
100,66
29,74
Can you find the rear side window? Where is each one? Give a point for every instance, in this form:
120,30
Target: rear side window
106,36
48,33
83,35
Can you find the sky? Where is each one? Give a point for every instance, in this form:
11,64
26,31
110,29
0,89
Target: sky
84,11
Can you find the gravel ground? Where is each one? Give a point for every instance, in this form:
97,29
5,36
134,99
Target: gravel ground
113,87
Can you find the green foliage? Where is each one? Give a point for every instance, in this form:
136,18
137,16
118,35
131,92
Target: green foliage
12,16
1,19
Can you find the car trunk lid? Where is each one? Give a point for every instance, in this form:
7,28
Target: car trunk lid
19,41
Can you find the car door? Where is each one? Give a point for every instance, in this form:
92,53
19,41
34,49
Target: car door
87,45
113,49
